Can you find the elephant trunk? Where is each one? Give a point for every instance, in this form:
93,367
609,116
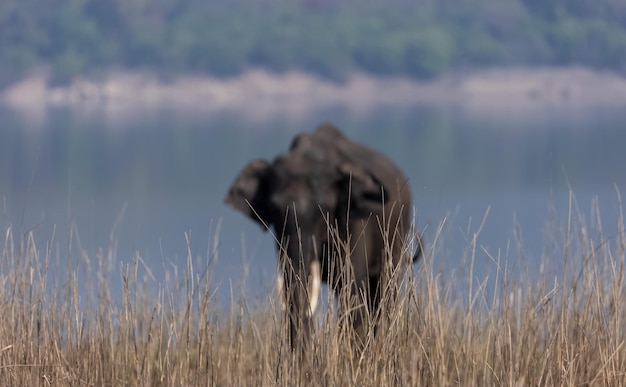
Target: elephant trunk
299,285
314,287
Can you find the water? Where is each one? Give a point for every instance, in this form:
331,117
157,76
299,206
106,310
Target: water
145,186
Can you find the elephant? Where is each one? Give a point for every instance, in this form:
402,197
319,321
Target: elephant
339,212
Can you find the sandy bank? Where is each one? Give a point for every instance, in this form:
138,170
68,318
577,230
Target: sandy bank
258,93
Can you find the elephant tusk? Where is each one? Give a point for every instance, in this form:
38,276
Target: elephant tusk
280,289
315,283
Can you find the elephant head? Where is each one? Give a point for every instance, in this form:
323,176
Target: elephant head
320,191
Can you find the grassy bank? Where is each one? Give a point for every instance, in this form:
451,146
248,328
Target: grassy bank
564,327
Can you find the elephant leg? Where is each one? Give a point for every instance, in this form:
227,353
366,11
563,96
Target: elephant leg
387,299
361,313
374,294
365,296
353,310
365,303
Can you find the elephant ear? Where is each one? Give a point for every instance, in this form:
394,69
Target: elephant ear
248,193
361,184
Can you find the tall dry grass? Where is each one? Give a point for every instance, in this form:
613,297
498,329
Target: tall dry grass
563,326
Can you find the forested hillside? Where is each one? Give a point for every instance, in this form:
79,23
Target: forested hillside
419,38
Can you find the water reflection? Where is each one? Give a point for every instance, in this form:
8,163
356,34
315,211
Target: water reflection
144,187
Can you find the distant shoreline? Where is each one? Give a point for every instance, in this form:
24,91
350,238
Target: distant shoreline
259,94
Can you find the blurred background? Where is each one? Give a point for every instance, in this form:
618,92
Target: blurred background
123,122
420,39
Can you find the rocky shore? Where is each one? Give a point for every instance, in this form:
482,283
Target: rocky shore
257,93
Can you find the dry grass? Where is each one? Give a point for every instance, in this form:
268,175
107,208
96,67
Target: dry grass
562,327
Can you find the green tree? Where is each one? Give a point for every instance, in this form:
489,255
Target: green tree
428,53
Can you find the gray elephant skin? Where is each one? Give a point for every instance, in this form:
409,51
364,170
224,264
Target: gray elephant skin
339,212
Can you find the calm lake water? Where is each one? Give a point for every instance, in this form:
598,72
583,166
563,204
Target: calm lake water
138,187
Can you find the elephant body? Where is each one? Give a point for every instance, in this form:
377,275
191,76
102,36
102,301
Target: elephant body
339,212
